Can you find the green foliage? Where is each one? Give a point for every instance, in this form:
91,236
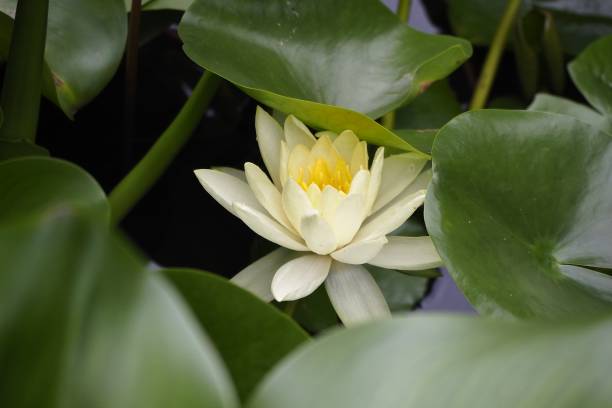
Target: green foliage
85,41
251,336
335,67
519,209
447,361
84,323
36,185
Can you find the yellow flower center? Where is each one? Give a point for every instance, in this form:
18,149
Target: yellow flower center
321,173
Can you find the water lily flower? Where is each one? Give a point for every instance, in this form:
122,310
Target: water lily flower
329,211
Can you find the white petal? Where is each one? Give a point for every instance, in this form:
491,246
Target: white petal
239,174
408,254
296,203
345,144
227,189
359,159
391,217
300,277
284,164
375,178
355,295
318,234
332,135
360,183
266,193
360,252
257,277
330,199
398,172
349,215
296,133
269,137
271,230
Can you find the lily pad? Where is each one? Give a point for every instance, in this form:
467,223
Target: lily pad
520,211
447,361
85,43
85,324
36,185
332,65
252,336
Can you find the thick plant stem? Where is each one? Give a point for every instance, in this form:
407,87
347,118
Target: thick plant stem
21,91
131,77
142,177
403,12
489,70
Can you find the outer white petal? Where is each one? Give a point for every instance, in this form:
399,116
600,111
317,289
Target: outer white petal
375,178
355,295
271,230
296,203
300,277
318,234
348,217
297,133
398,172
420,183
284,164
239,174
345,144
407,254
269,137
227,189
257,277
390,217
266,193
360,252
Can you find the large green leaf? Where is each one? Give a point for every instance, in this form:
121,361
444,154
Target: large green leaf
35,185
447,361
252,336
578,22
85,42
519,209
592,74
84,324
336,64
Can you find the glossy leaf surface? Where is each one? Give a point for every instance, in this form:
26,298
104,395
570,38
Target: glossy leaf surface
519,209
334,64
35,185
84,324
85,43
446,361
556,104
252,336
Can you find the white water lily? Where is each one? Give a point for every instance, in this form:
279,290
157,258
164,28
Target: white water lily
329,211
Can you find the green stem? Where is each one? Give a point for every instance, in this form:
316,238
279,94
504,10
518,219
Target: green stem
403,12
142,177
20,99
489,70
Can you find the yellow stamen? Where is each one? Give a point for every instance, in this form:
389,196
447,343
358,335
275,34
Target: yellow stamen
320,174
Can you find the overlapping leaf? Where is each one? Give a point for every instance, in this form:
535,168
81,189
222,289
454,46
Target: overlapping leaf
252,336
85,42
35,185
84,324
520,210
334,64
447,361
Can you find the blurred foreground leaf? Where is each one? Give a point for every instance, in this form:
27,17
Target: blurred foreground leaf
447,361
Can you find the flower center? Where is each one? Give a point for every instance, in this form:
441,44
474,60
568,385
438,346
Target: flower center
321,173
